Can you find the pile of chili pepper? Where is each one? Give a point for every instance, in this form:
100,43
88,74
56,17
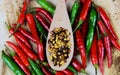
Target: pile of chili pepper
93,33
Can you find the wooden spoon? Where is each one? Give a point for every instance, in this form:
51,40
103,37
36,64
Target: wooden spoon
61,19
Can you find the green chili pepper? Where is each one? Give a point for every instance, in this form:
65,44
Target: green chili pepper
11,64
90,34
74,11
46,5
71,68
41,29
35,67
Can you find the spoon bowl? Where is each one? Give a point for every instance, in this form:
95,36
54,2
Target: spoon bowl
60,19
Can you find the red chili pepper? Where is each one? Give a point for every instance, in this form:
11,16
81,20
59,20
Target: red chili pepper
59,73
82,1
20,53
21,37
108,50
21,18
45,24
84,29
44,12
93,53
26,50
31,23
75,63
107,22
106,42
26,33
46,72
81,47
101,55
113,40
83,13
20,63
68,72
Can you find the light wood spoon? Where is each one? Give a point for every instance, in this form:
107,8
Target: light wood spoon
61,19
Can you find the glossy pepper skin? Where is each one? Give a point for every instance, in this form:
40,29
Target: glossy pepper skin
83,13
101,50
35,67
68,72
59,73
107,22
94,52
21,18
11,64
21,65
31,23
81,47
25,33
107,43
113,40
74,11
46,5
21,37
77,66
108,50
90,34
26,50
71,68
42,11
41,30
84,29
20,53
43,22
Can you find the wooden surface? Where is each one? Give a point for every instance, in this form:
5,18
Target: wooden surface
9,9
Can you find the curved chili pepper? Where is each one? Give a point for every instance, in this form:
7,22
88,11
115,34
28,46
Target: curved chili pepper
21,18
20,63
46,5
100,53
20,53
71,68
74,11
41,29
35,67
83,13
113,40
31,23
84,29
81,47
46,72
43,11
60,73
92,24
106,42
20,36
42,21
68,72
93,53
26,33
77,66
107,22
26,50
11,64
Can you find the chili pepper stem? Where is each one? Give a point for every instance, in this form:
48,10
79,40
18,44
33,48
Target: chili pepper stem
96,67
78,25
16,28
84,72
